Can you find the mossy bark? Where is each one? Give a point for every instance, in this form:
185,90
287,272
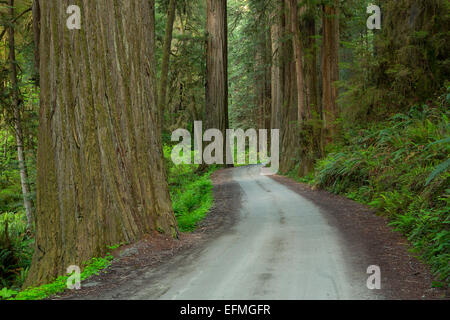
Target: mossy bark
100,171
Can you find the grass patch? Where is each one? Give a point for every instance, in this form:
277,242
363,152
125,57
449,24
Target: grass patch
91,267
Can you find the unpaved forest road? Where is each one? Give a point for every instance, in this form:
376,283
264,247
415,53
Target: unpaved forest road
281,247
268,238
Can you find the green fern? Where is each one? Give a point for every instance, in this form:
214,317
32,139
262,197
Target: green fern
443,167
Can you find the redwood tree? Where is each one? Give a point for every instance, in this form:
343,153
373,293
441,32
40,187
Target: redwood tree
217,67
100,172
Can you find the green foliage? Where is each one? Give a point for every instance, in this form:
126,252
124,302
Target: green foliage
404,63
91,267
16,245
6,293
191,192
248,60
400,167
16,249
192,202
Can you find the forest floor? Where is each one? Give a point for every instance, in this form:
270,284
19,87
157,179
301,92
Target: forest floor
268,238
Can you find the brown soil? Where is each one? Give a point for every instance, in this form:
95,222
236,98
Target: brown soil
403,275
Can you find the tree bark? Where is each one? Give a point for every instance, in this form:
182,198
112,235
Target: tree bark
100,173
289,112
259,86
276,73
166,58
330,68
217,67
18,130
311,74
268,80
303,112
313,148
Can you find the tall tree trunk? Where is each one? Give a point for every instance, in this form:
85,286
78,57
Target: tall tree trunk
217,67
268,80
303,111
100,172
18,130
276,74
330,68
289,129
259,86
313,148
166,58
311,72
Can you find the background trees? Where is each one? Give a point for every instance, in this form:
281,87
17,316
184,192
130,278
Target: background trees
16,102
18,122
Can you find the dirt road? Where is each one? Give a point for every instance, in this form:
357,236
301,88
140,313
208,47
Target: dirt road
280,248
285,242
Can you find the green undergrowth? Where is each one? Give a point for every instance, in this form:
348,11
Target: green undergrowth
90,268
190,191
16,249
400,167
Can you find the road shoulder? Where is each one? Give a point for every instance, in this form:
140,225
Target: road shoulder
365,233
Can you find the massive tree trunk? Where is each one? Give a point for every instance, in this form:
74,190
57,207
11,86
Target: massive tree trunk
16,105
100,171
330,68
289,112
303,110
166,58
217,67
